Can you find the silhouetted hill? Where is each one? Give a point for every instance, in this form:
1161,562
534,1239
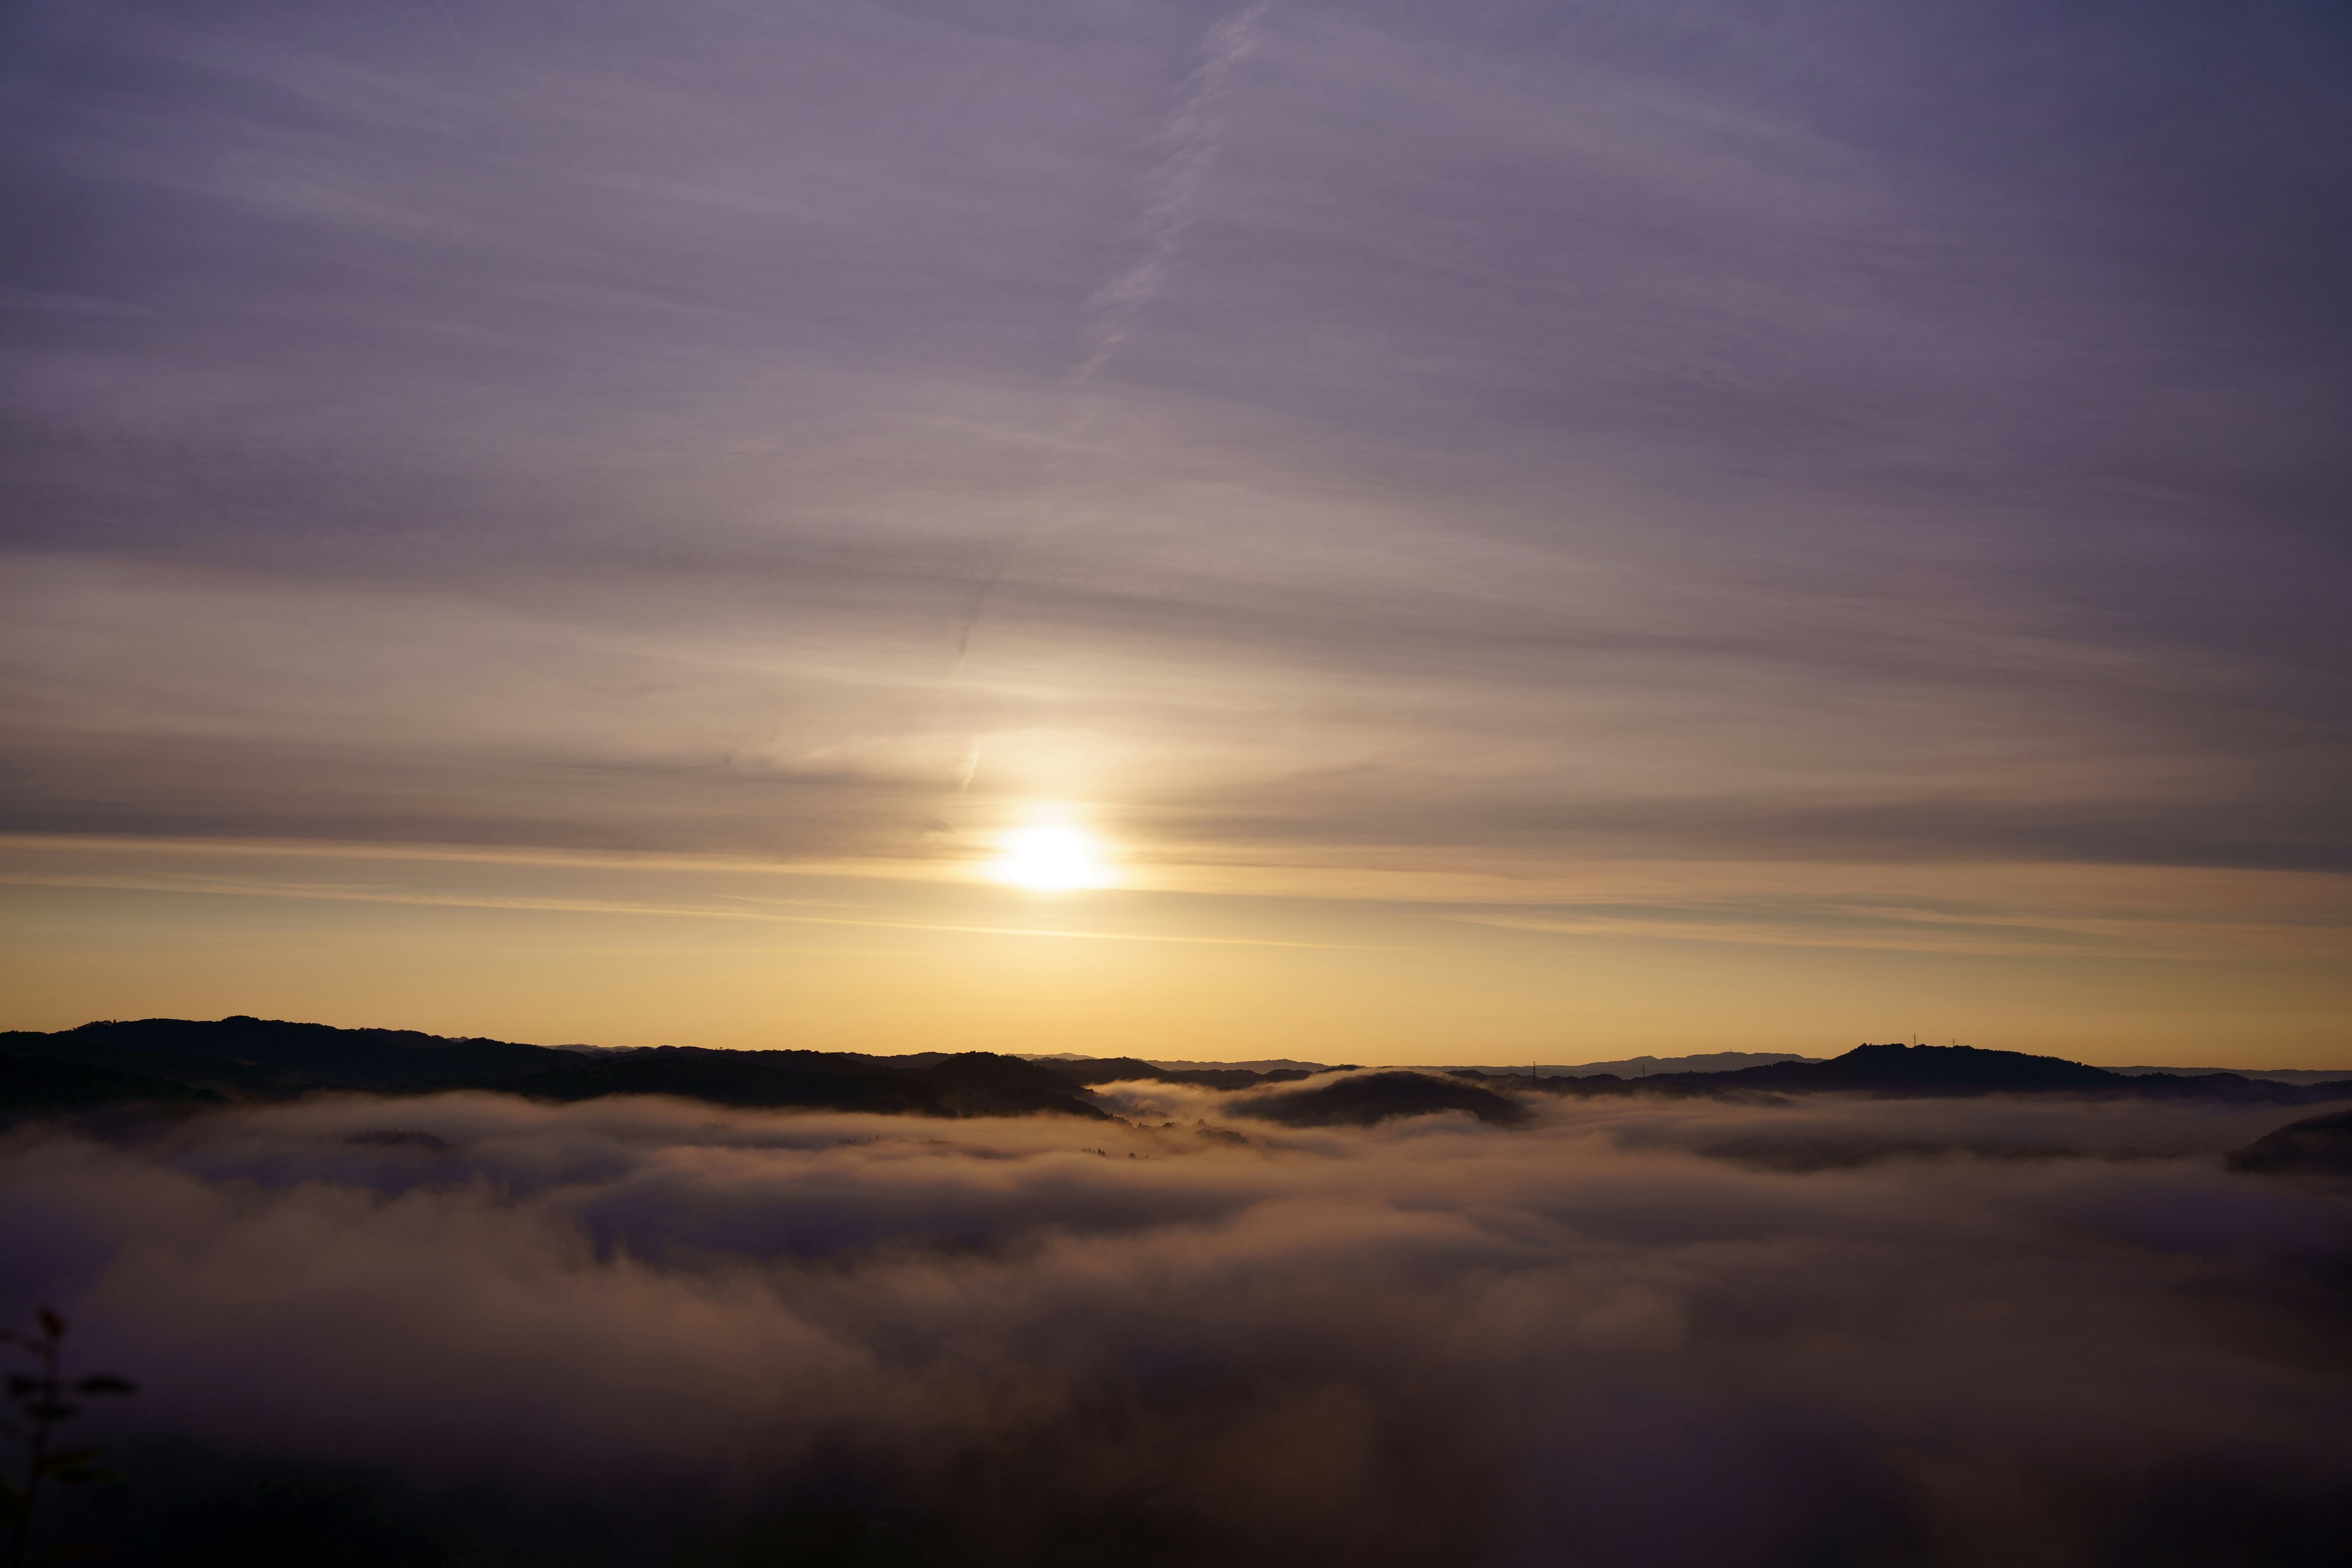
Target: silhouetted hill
1099,1070
2283,1075
1090,1070
1631,1066
38,1083
191,1062
259,1055
1368,1098
980,1083
972,1084
1929,1069
748,1079
2231,1087
2316,1146
1933,1071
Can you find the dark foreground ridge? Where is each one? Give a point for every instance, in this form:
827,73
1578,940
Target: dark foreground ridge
2317,1146
185,1065
168,1062
1367,1098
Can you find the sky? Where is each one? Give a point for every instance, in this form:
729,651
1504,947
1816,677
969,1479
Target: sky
1500,530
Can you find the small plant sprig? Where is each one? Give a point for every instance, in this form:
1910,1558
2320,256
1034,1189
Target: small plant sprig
40,1403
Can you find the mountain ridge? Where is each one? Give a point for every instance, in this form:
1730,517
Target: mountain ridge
189,1063
1896,1069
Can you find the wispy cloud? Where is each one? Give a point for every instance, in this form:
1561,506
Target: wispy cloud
230,888
1552,442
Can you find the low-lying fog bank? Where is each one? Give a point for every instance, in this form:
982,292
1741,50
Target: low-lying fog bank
467,1328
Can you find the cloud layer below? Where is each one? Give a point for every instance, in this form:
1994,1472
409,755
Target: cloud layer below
1853,1331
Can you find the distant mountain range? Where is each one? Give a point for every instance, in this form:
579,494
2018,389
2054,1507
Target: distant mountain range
2283,1075
1641,1067
1926,1071
1733,1061
173,1064
1265,1064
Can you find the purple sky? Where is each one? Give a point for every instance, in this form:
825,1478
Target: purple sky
1611,451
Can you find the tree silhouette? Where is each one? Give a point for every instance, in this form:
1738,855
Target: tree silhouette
41,1402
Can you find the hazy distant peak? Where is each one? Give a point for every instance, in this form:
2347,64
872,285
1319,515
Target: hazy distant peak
2280,1075
1634,1067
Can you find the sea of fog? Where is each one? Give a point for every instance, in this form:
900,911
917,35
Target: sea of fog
469,1329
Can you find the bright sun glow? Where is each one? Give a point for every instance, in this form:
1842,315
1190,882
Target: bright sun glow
1050,857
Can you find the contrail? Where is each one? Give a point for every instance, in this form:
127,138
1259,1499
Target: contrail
1188,139
1190,136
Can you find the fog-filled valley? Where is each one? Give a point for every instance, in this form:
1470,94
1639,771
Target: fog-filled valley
468,1327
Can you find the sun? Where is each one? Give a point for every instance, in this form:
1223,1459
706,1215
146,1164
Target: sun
1050,858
